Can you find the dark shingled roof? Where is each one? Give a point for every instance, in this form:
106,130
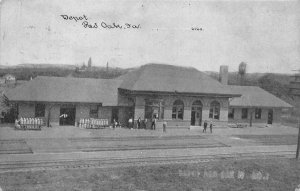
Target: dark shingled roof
253,96
61,89
168,78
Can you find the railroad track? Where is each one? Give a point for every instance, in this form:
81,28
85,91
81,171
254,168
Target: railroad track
177,137
124,162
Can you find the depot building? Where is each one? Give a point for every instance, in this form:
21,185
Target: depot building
181,96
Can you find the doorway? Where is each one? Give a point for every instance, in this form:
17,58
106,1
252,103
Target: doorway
154,108
115,114
67,116
196,113
270,116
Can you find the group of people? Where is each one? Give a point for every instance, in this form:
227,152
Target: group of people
139,123
116,124
206,124
143,123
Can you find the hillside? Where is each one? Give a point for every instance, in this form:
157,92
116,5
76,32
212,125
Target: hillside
28,71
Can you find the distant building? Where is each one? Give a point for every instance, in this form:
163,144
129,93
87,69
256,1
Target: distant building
82,68
181,96
8,79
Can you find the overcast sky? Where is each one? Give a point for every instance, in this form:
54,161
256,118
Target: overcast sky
265,35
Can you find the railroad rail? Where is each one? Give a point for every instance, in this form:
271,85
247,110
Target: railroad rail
124,162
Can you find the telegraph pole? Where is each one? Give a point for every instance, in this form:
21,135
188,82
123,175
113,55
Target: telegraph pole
295,92
1,37
298,145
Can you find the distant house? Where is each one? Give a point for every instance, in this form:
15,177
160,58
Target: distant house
182,96
8,79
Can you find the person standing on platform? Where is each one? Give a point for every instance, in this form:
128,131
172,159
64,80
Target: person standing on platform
130,121
145,123
165,126
204,126
153,126
114,123
139,123
211,126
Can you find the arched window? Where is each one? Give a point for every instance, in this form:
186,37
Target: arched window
214,111
177,111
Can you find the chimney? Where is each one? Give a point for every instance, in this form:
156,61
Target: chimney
223,75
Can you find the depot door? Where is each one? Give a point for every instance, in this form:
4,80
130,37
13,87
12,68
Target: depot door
67,116
270,116
196,113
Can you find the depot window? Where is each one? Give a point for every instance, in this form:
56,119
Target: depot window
214,111
40,110
177,110
258,113
244,113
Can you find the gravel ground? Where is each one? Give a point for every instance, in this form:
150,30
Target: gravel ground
255,174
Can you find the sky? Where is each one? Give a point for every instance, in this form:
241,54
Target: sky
264,34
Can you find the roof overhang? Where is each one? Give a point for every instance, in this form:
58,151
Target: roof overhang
133,92
56,102
259,106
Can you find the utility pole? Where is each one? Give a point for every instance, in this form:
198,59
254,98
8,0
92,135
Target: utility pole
1,30
295,92
298,145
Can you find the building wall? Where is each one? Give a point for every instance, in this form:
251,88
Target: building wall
123,116
105,113
277,115
124,100
264,116
54,110
26,110
139,108
82,111
188,101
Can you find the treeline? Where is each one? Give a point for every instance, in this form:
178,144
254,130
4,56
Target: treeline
276,84
28,73
100,73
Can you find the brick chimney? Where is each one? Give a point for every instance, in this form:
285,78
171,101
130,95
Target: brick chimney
223,75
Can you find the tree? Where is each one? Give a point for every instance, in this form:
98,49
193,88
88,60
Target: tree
242,71
90,63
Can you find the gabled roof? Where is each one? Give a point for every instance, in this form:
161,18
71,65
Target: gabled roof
60,89
168,78
253,96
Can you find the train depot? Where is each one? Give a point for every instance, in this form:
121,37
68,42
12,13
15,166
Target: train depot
180,96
